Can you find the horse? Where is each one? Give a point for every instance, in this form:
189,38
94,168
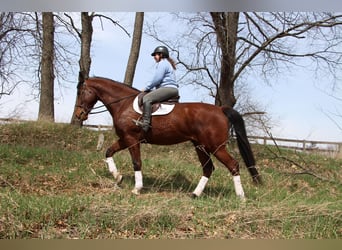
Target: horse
205,125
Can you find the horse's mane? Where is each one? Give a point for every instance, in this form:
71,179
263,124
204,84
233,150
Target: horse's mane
111,80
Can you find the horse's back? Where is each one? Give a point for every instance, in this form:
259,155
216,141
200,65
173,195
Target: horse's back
201,118
196,111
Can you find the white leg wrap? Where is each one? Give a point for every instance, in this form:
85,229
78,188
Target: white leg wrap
138,182
201,185
112,167
238,187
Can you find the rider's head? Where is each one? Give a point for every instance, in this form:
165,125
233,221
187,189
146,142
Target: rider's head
161,50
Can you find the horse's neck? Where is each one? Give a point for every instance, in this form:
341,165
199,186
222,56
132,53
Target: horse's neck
112,92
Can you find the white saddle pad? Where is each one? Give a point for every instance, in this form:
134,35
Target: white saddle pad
164,109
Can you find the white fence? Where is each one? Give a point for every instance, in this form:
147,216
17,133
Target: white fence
332,149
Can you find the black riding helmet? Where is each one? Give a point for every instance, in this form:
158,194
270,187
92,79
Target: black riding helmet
162,50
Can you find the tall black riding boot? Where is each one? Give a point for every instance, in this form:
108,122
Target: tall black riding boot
146,117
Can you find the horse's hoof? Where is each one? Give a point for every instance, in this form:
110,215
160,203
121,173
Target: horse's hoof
257,180
118,179
136,191
242,199
193,196
116,186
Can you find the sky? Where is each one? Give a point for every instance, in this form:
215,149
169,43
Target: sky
297,101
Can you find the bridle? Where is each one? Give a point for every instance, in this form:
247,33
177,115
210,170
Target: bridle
104,105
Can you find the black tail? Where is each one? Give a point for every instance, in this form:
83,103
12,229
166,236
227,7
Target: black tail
244,147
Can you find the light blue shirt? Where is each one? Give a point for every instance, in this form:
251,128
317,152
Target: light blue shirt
163,76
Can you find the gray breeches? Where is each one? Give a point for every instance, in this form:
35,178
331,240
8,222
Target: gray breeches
160,95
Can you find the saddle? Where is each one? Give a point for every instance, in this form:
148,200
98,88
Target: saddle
157,105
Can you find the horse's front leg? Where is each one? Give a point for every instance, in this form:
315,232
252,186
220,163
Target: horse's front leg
117,146
136,159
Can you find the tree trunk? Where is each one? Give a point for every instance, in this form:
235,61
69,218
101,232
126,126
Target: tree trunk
46,104
226,27
85,59
135,48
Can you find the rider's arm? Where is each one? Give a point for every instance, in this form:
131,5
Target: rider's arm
158,76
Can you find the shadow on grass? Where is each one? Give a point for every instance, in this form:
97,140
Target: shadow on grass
177,182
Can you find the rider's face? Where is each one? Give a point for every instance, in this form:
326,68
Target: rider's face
157,57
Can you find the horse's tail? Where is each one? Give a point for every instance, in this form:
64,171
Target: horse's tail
238,124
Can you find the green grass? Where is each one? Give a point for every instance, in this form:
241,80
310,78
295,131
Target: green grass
54,184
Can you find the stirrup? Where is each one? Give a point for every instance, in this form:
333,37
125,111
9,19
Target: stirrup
141,124
137,122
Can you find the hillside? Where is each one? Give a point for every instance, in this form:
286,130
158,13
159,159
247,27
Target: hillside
54,184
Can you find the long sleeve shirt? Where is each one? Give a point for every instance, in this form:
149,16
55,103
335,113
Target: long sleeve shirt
163,76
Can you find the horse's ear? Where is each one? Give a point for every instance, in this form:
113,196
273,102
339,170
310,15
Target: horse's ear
80,76
80,79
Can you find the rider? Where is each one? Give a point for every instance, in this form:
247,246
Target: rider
163,83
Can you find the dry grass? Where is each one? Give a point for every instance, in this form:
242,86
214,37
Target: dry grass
53,184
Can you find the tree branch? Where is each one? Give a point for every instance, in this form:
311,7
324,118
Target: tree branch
112,21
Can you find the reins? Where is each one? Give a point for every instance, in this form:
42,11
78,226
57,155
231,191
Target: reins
108,104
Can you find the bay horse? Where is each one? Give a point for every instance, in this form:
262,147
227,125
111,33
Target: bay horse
205,125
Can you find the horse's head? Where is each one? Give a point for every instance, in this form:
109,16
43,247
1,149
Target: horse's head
86,99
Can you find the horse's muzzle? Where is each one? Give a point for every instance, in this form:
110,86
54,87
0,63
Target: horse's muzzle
81,114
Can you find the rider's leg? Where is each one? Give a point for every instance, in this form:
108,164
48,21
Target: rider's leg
146,117
158,95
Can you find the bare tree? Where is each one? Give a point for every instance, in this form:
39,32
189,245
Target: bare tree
85,36
8,37
223,48
135,48
46,104
15,30
226,29
22,59
219,51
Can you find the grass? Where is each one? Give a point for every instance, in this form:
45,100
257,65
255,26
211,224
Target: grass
54,184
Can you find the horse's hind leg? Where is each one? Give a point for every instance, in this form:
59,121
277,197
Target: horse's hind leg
222,155
207,166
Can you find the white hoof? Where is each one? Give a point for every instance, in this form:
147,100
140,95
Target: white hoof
116,187
136,191
194,196
242,198
118,178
